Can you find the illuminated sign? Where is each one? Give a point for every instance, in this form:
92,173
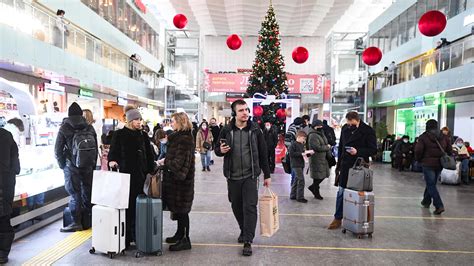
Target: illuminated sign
86,93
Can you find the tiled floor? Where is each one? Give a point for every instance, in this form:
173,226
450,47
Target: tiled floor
405,233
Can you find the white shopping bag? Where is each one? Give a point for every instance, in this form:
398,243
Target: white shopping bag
111,189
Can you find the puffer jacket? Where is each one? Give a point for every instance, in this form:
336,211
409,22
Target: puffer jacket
258,149
428,152
9,168
63,147
319,167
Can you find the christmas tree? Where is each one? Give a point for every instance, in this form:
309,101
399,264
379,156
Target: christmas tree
268,77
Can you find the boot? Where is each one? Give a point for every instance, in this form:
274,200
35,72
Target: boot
335,224
208,169
204,169
311,188
71,228
182,244
174,239
317,195
247,251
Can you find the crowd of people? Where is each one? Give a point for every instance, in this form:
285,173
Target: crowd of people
247,148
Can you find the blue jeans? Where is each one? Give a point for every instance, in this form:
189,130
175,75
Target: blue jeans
205,159
431,192
78,184
339,204
293,177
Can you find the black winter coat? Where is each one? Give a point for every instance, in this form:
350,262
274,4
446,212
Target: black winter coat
427,151
215,134
178,181
131,149
330,135
363,140
271,137
63,146
258,149
9,168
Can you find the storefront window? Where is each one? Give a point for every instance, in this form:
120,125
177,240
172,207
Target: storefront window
412,121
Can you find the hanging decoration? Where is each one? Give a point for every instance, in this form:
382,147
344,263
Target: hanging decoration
234,42
258,111
300,55
180,21
372,56
281,114
432,23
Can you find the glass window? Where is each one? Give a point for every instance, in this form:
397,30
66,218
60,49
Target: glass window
456,7
411,22
386,38
402,28
394,34
432,5
468,4
443,6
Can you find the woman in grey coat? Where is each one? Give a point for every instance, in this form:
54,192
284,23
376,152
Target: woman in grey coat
318,163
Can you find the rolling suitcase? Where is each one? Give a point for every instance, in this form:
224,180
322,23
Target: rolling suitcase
149,226
358,212
108,230
86,218
386,158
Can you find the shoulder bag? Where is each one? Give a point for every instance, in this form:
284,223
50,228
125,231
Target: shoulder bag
447,162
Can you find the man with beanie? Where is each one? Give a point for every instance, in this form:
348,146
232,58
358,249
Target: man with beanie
9,168
428,152
76,152
357,141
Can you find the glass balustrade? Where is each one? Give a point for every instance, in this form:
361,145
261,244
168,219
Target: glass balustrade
46,27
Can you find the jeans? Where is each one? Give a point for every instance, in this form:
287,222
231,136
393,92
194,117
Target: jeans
205,159
431,192
78,184
243,195
293,175
339,204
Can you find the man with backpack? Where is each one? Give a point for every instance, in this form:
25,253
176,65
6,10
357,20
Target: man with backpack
76,152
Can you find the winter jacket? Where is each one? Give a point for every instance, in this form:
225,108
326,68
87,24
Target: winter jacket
427,151
63,147
330,135
201,138
178,182
318,162
363,140
296,157
258,152
9,168
271,137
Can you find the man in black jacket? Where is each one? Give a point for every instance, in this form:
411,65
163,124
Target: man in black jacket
329,133
76,152
271,137
9,168
357,141
245,157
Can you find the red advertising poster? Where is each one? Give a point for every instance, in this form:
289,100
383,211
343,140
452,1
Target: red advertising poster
280,150
327,91
304,84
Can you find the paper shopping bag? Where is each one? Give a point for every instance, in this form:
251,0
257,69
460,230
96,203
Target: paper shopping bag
111,189
269,213
152,186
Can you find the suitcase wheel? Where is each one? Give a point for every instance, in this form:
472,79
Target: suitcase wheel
122,252
344,231
111,255
92,250
359,236
138,255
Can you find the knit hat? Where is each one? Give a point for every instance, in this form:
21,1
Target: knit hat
74,109
298,121
317,123
133,114
431,125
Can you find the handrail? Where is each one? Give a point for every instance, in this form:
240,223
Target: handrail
44,26
429,63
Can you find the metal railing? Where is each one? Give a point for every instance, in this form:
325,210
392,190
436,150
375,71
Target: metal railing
436,60
43,25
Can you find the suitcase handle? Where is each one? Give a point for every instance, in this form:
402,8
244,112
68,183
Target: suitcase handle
123,228
155,226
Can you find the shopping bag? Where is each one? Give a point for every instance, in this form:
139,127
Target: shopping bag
451,177
111,189
269,213
152,186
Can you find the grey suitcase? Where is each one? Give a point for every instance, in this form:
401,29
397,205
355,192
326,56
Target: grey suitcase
149,226
358,212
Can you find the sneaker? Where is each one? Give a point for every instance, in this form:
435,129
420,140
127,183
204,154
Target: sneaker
241,238
335,224
438,211
183,244
303,200
71,228
247,251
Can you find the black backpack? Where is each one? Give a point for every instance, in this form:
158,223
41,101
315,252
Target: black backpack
84,146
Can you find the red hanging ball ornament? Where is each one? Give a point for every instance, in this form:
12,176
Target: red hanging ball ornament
180,21
234,42
281,114
372,56
258,111
300,55
432,23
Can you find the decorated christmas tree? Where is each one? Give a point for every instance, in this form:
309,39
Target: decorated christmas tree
268,76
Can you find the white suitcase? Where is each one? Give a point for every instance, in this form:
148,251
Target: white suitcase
358,212
108,230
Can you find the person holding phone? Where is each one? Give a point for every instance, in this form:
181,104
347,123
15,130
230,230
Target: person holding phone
357,141
244,149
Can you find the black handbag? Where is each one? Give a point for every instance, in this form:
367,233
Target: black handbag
447,162
286,163
331,159
206,145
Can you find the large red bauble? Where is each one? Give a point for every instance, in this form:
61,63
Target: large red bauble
180,21
234,42
257,111
281,114
432,23
372,56
300,55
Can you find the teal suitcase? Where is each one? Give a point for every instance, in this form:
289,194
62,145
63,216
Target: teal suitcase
149,226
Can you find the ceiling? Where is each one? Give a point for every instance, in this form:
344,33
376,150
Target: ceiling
244,17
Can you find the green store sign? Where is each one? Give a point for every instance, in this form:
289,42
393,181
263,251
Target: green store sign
86,93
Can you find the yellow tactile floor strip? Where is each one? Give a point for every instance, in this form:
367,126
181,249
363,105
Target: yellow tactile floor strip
62,248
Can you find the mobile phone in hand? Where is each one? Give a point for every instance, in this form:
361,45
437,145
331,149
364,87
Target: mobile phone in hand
224,141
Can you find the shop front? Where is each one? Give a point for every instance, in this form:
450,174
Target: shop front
412,121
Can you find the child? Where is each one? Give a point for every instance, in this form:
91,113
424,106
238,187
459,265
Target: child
297,159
